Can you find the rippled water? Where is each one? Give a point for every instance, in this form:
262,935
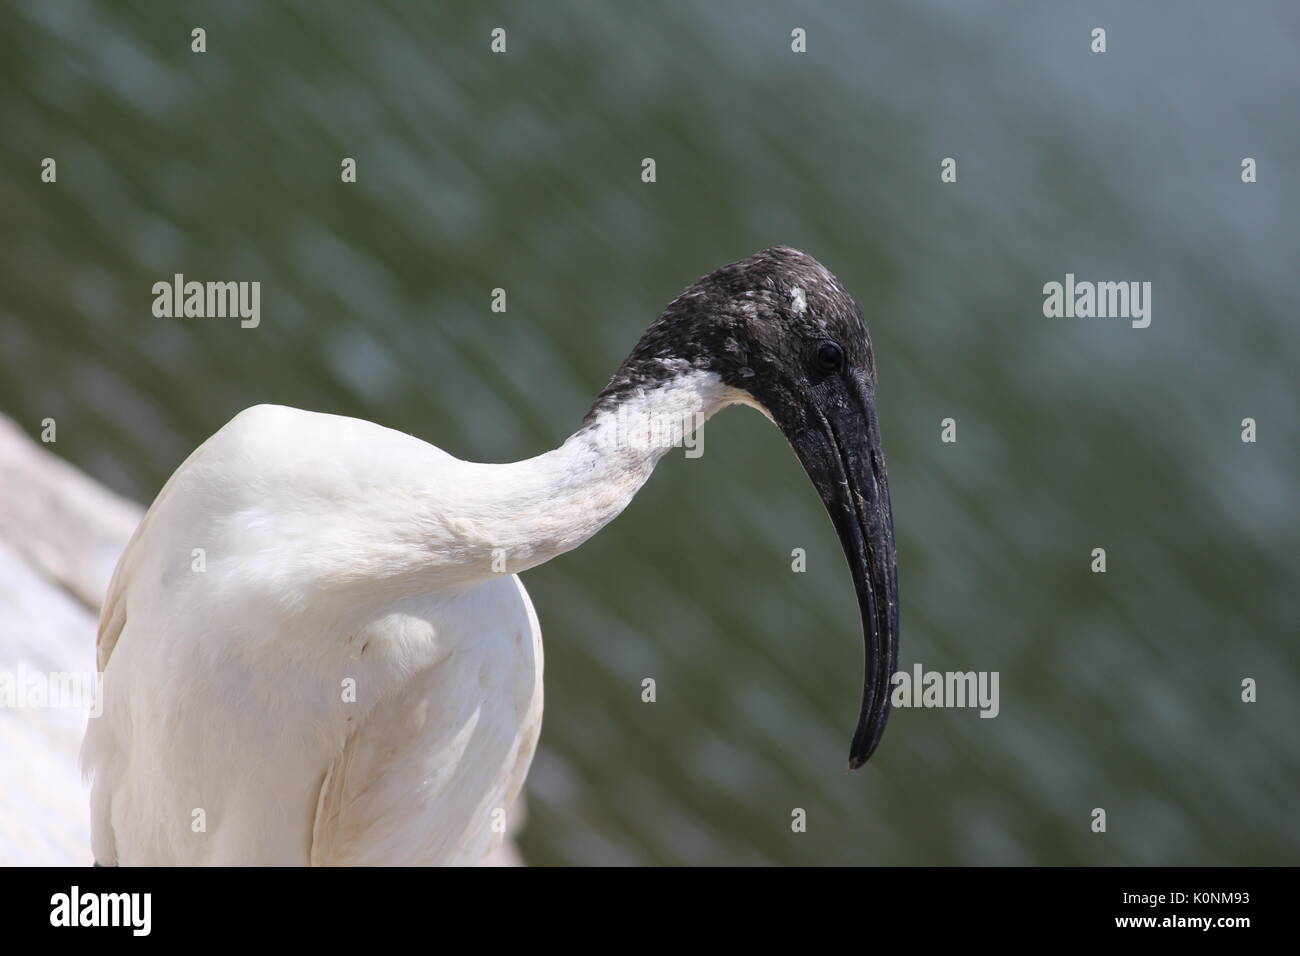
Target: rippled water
521,171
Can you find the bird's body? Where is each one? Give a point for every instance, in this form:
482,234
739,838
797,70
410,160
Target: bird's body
316,648
398,723
399,679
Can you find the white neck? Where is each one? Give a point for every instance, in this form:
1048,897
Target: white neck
516,516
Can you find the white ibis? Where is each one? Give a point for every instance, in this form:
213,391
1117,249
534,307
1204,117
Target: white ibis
316,649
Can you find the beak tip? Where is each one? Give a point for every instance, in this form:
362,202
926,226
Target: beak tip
858,756
861,750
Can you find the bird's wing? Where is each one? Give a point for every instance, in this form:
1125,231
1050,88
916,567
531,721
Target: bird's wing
98,748
432,772
112,613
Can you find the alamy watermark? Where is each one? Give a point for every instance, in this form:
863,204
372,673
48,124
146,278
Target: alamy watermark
630,428
22,689
922,688
208,300
131,911
1103,300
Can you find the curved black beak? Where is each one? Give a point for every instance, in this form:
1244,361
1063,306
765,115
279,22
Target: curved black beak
838,444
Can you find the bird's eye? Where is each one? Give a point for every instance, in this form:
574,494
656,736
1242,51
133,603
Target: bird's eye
830,358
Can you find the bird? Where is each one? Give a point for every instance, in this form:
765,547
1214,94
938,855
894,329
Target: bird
316,648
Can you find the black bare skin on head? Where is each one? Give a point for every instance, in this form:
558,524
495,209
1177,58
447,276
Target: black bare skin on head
779,326
745,322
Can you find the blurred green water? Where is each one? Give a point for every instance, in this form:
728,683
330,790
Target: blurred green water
522,171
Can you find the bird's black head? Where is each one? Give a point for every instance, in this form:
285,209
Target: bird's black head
780,328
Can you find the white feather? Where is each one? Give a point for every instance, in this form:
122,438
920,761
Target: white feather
336,550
